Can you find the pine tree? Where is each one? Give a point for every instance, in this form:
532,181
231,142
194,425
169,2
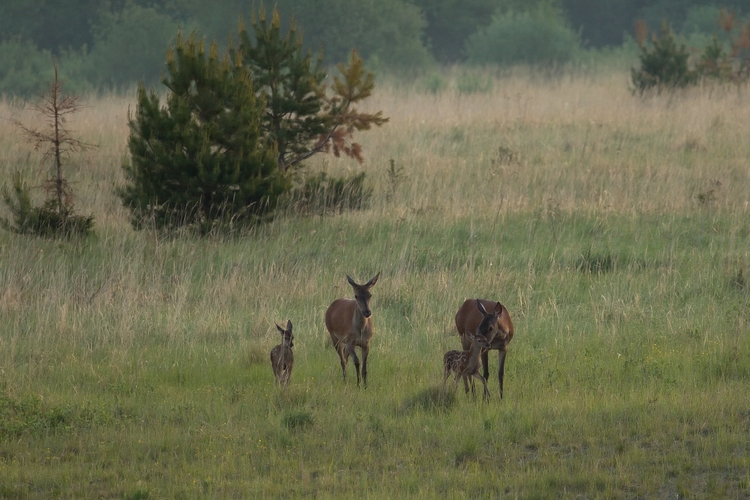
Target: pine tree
300,118
664,64
291,82
202,159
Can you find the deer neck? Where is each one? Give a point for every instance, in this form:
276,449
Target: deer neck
472,361
361,325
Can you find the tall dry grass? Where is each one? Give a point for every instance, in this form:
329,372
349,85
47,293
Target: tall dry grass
572,142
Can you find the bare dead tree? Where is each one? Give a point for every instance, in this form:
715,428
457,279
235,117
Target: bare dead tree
55,216
55,140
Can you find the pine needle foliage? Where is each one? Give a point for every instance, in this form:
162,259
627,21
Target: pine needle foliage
46,220
301,118
355,86
734,65
56,216
202,160
664,64
291,81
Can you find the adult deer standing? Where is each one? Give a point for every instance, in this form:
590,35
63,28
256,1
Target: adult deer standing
349,322
499,335
466,364
282,357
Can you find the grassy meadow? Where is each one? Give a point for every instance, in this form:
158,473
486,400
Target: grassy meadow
615,229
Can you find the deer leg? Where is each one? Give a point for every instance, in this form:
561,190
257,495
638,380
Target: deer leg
486,395
501,369
466,383
455,381
485,364
365,352
343,351
353,354
471,382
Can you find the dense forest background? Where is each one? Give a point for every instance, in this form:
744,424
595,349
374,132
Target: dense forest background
106,44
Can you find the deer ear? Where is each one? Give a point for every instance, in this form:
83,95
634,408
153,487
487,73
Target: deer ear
498,308
481,308
350,280
289,325
281,330
373,281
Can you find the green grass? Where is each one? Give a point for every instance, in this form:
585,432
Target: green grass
623,381
137,366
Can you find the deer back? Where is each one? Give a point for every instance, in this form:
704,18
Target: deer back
469,318
282,359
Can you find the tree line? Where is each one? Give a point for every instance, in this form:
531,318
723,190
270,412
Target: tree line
105,43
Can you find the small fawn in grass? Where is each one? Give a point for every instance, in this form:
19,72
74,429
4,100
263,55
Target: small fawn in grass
282,357
466,363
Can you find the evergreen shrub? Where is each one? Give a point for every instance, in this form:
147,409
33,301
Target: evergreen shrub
200,161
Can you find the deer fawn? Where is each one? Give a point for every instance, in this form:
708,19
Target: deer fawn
466,364
499,333
282,357
349,321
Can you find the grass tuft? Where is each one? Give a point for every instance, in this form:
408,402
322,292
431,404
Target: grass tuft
592,262
297,420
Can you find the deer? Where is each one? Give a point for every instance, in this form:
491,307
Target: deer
466,364
499,334
282,357
349,322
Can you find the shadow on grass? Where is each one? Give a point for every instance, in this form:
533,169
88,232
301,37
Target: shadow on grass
296,420
432,399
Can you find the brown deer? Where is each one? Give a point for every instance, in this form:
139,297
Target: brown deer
499,334
349,322
282,357
466,364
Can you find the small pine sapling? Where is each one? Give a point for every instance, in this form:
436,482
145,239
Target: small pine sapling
56,216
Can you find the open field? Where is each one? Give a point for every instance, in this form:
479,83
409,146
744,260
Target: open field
615,229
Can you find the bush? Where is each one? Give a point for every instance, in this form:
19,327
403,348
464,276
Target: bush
201,161
664,64
539,38
47,220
